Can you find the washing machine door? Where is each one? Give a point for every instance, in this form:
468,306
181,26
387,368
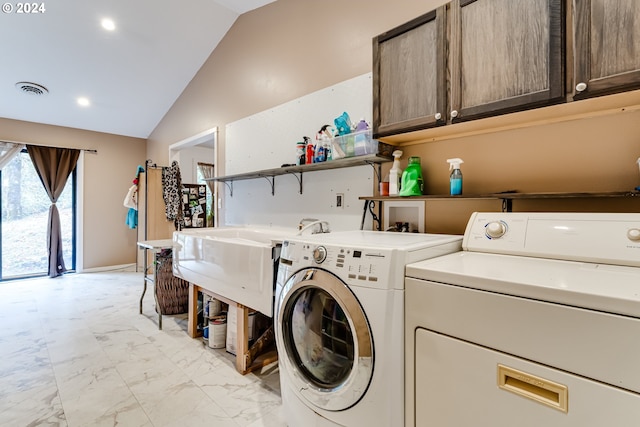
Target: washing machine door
326,340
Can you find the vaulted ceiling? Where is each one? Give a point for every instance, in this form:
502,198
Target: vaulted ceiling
58,53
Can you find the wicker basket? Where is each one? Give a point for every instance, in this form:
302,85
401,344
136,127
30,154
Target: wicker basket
172,292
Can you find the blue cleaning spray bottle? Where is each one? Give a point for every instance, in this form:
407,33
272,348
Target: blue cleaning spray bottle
455,179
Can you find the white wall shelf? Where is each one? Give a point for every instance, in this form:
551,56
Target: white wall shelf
374,160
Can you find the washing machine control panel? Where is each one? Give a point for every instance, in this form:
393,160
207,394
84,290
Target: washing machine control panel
361,266
358,266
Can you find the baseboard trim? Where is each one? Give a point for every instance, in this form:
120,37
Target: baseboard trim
122,267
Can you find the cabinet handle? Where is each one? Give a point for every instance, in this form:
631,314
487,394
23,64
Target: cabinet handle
438,116
454,113
581,86
532,387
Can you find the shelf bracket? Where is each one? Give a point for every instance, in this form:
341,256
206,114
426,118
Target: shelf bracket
298,177
272,181
377,168
369,205
229,186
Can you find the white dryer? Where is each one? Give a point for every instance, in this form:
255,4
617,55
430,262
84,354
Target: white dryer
535,323
340,320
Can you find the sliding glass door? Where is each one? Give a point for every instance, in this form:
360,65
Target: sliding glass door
25,210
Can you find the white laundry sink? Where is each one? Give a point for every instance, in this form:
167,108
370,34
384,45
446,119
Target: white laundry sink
234,262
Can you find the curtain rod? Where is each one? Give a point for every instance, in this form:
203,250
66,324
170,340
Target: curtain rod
88,150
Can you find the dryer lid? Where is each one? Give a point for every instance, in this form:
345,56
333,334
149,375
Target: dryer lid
608,288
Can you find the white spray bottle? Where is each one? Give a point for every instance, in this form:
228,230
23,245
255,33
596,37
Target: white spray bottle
395,174
455,179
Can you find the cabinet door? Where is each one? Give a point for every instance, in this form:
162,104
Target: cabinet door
505,56
606,46
409,90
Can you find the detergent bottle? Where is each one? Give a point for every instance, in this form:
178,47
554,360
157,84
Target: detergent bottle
395,174
310,150
455,179
412,183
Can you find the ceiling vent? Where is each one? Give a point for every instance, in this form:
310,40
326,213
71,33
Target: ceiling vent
32,88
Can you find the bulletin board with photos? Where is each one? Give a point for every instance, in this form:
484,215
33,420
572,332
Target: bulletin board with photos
194,205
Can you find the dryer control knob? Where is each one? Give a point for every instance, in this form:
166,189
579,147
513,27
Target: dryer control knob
320,254
495,229
634,234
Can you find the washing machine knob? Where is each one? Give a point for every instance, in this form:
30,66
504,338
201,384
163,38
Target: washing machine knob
634,234
495,229
319,254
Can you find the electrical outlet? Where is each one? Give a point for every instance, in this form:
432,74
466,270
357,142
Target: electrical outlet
339,200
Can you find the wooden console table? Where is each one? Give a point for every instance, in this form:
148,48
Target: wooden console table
246,360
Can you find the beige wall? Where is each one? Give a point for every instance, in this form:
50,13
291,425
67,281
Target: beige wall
290,48
106,240
277,53
596,154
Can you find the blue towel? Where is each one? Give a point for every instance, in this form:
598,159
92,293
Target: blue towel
132,218
132,214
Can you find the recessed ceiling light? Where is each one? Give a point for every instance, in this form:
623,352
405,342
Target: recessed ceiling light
108,24
83,101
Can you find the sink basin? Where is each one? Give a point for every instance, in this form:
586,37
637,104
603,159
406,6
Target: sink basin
238,263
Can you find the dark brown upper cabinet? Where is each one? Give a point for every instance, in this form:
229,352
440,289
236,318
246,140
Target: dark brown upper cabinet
409,86
505,56
606,46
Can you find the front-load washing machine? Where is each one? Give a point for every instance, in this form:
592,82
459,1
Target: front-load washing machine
340,321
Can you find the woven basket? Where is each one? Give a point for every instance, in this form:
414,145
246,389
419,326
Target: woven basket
172,292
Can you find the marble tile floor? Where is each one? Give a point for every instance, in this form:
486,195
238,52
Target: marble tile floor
74,351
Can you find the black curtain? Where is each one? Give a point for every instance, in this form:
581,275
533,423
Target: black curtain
54,165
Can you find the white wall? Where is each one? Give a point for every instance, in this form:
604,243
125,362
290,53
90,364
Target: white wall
252,202
188,159
267,140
